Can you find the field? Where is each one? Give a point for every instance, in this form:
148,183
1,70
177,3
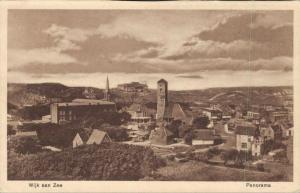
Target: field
199,171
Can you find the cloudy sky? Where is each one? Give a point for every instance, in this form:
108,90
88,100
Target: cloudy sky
192,49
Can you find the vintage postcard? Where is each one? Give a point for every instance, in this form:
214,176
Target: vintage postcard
149,96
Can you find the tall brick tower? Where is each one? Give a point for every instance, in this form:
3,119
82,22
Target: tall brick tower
162,98
106,91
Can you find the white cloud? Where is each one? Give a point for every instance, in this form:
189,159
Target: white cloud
68,38
17,58
274,20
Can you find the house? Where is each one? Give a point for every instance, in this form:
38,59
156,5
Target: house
278,132
266,132
203,137
26,133
88,136
46,118
287,128
141,114
256,147
133,87
213,114
98,137
161,136
77,141
253,115
81,137
248,139
278,114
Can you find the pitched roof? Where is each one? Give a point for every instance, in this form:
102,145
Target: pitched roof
97,137
140,107
167,132
162,80
92,101
276,128
246,130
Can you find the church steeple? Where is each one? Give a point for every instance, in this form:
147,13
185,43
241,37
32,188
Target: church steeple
106,91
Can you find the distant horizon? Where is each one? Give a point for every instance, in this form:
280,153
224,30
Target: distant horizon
100,84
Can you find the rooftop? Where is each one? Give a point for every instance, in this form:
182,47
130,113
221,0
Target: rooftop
85,102
203,134
246,130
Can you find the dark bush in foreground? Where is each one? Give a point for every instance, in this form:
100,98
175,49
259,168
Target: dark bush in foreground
109,161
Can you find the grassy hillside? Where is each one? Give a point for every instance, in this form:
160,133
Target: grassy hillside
20,94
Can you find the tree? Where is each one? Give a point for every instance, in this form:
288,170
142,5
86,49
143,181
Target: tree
10,130
229,155
200,122
26,145
188,138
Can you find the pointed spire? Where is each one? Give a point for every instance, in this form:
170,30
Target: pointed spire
107,83
106,91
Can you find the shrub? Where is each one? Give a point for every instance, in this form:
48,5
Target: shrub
260,167
26,145
108,161
10,130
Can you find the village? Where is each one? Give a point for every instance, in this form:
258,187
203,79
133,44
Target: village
213,133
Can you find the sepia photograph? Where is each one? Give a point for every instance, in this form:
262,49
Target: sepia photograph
193,95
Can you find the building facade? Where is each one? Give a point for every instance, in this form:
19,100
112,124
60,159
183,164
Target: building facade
67,112
248,139
133,87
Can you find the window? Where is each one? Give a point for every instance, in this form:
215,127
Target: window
249,139
244,145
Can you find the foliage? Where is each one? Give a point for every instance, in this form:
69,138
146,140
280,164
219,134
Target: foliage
34,112
115,133
270,145
260,167
10,130
281,156
188,138
108,161
56,135
229,155
26,145
183,129
200,156
200,122
174,127
95,120
214,150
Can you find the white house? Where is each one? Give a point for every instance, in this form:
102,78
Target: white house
248,139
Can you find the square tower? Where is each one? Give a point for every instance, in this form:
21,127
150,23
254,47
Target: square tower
162,98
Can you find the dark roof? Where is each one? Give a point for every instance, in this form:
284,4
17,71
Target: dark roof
85,134
203,134
276,128
162,80
140,107
245,130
